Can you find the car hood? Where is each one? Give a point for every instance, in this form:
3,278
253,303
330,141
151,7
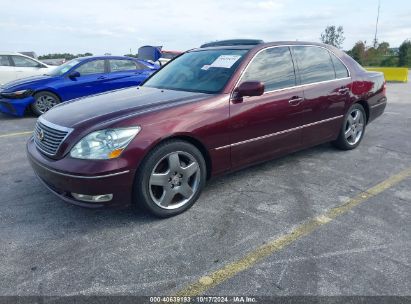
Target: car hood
115,105
25,83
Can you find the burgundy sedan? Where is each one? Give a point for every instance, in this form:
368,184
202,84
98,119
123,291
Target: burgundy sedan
209,111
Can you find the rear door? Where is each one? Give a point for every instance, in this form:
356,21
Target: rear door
268,125
93,79
326,84
125,73
7,70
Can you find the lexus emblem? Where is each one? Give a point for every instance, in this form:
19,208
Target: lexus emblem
40,135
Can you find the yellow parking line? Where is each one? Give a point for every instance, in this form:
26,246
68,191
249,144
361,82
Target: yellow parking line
228,271
16,134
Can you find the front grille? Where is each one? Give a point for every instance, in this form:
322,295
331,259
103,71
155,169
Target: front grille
48,137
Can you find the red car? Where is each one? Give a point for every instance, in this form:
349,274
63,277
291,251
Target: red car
209,111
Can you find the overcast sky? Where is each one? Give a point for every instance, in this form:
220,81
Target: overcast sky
100,26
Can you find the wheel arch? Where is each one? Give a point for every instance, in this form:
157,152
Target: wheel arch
31,105
366,108
49,90
195,142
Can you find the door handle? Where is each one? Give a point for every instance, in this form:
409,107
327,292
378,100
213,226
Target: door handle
102,77
343,90
295,101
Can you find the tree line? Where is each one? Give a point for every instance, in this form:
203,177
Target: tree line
66,56
377,54
382,55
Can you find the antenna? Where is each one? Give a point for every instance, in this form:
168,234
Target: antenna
376,24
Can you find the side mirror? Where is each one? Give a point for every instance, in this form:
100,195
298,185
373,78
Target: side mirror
74,75
248,88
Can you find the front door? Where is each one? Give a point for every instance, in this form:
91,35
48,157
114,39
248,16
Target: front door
93,79
266,126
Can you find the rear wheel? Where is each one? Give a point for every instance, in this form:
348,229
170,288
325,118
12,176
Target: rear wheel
170,178
353,128
44,101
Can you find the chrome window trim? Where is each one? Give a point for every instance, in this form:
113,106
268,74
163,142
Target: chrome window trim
305,85
279,132
296,86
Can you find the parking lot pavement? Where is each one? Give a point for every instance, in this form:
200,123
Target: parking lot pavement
50,248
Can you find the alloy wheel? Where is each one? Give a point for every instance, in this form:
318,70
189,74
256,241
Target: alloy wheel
174,180
354,127
45,103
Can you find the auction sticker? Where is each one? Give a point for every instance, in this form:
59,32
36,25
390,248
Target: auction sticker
225,61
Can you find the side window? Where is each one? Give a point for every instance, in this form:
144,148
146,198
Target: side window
274,67
314,64
141,66
117,65
20,61
340,69
91,67
4,60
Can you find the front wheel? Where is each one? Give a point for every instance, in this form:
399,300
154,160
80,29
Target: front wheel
170,179
353,128
44,101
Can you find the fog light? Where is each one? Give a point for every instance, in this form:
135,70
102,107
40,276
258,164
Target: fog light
93,198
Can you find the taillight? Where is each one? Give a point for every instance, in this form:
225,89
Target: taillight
384,87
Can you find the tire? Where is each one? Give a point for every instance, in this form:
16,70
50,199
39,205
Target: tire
353,128
44,101
170,179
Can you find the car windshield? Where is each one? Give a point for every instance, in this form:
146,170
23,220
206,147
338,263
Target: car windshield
205,71
60,70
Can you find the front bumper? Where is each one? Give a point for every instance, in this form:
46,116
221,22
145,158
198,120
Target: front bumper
15,107
104,178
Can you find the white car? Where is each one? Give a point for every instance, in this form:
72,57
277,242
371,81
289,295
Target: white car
15,66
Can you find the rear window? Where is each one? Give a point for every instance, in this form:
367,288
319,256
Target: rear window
340,69
142,66
117,65
314,64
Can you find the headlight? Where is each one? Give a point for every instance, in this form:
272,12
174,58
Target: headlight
104,144
17,94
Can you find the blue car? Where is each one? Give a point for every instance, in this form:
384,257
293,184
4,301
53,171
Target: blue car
76,78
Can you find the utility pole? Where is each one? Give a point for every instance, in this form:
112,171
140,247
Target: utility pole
376,24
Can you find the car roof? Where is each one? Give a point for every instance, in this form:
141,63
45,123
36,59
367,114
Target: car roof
264,45
232,42
13,53
105,57
78,58
226,47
